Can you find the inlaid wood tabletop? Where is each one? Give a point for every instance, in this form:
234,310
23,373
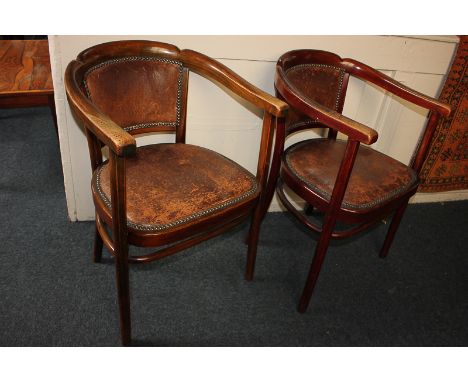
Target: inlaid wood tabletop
25,67
25,75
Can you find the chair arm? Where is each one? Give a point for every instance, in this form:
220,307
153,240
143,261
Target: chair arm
330,118
387,83
107,131
217,72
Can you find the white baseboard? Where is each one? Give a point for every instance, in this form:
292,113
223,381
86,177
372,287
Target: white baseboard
420,197
276,205
435,197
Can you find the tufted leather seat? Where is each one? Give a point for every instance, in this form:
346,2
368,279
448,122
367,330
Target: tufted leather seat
375,180
169,185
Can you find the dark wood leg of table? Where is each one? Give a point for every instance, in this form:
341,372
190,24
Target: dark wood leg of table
53,111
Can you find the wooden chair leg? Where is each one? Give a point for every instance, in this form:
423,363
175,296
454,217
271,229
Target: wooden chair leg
336,199
123,290
316,266
268,183
97,250
119,233
309,209
274,168
392,230
51,102
269,193
254,233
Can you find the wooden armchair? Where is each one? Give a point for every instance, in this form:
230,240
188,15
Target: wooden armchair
173,195
346,181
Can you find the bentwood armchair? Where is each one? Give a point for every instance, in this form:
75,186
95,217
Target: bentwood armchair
174,195
345,180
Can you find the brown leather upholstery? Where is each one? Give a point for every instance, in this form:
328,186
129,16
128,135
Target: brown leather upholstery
318,82
172,184
321,83
376,178
137,92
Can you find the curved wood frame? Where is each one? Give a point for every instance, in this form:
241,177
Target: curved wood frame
101,130
357,133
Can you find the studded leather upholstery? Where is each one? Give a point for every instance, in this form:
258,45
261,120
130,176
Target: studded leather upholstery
321,83
172,184
318,82
137,92
376,178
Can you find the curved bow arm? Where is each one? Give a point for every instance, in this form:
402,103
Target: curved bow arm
217,72
330,118
387,83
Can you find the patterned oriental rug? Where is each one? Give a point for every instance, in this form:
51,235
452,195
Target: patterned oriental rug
446,166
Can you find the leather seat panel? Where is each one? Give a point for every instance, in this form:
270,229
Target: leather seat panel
171,184
376,178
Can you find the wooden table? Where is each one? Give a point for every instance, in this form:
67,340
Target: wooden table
25,75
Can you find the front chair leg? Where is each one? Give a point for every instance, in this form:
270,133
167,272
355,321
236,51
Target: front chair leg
120,236
122,276
336,199
271,179
316,266
97,250
392,229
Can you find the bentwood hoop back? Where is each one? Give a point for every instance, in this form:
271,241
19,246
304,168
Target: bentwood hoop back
342,179
164,195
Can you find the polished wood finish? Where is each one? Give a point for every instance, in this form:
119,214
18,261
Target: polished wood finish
25,75
314,84
119,231
114,228
330,219
262,176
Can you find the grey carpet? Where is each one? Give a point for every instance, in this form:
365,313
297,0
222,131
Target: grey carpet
52,294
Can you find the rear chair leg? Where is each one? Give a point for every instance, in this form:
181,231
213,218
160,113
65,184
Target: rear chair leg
97,251
392,230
